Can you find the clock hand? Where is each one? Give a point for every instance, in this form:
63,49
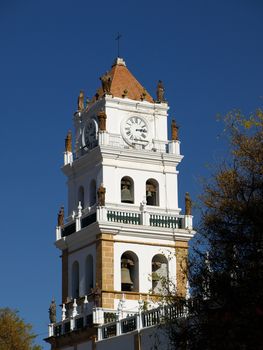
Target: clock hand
142,130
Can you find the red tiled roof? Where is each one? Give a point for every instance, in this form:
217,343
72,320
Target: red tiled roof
122,79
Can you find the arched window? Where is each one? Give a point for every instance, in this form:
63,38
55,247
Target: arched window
127,195
75,279
92,193
129,272
152,192
159,273
81,196
89,274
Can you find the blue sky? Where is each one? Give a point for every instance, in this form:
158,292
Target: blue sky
209,55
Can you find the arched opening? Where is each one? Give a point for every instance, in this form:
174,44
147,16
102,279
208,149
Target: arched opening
129,272
152,192
81,196
75,279
92,193
89,274
127,193
159,273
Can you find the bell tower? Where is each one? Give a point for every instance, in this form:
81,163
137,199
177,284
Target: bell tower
123,232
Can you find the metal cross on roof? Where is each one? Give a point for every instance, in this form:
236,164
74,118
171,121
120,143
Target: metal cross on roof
118,39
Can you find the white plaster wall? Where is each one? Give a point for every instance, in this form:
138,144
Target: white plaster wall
145,253
119,109
171,188
82,178
151,338
117,343
167,183
81,256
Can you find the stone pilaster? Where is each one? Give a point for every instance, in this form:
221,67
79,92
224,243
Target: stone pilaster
105,269
181,267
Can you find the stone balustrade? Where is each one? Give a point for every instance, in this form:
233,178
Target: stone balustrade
144,216
112,323
142,319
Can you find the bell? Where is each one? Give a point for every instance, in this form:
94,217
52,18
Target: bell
126,282
126,196
155,277
149,193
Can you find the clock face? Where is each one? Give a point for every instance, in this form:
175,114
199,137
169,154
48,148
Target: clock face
90,134
135,130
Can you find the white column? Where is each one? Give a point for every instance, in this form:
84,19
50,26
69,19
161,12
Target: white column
119,312
68,158
101,214
74,309
51,330
174,147
98,315
58,232
78,217
85,309
188,222
103,138
63,315
145,216
139,315
99,333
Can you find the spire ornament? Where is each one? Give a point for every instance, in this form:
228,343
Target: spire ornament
188,204
160,92
68,142
143,95
125,93
174,129
61,216
81,101
52,312
96,295
106,83
101,195
87,103
118,37
102,120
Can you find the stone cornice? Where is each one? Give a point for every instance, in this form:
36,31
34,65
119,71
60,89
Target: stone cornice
131,233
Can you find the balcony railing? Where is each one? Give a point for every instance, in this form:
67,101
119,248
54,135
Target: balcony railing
111,323
143,319
166,221
123,217
144,217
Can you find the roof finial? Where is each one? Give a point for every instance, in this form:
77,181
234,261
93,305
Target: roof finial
174,128
160,92
106,80
81,101
118,43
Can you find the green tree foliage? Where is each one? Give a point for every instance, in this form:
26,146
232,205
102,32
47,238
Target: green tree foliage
227,280
15,334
